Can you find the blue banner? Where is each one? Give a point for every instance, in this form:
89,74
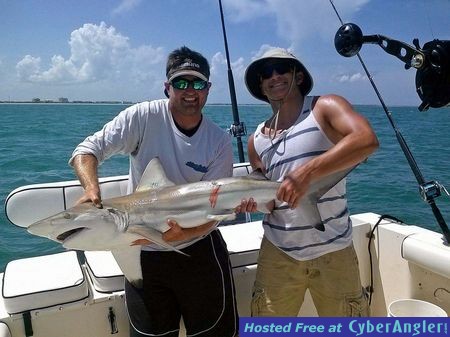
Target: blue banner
348,326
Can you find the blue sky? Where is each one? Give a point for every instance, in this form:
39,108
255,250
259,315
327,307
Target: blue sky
117,49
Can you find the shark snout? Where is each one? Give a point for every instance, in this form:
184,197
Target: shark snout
57,228
41,228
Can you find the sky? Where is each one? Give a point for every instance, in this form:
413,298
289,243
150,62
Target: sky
117,49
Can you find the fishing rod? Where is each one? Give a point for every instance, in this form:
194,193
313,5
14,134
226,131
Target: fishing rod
237,129
433,87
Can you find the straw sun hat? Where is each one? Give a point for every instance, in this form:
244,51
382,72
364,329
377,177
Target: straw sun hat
252,78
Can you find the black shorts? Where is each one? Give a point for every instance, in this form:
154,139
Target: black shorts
198,287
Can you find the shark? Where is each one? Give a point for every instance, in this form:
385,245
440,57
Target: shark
144,214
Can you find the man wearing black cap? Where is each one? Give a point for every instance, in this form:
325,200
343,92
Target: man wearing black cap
197,286
305,139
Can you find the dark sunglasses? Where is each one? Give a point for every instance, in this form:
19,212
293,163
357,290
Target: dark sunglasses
280,68
183,84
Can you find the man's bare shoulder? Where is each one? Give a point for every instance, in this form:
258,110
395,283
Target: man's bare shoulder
330,101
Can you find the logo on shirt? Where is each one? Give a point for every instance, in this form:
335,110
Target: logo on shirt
197,167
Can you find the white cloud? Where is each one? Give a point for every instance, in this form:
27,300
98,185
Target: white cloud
264,48
356,77
241,11
126,6
219,65
219,77
296,20
97,53
28,68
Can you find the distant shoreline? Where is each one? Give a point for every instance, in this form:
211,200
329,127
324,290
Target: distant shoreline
111,103
63,103
131,103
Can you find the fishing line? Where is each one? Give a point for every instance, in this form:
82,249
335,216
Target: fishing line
428,190
369,76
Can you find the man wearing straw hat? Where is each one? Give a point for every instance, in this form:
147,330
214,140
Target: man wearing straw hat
305,139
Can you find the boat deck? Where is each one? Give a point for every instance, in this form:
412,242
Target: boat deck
407,262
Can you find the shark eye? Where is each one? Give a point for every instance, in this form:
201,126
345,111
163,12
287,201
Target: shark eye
66,215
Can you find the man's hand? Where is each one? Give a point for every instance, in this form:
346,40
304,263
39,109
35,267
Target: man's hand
293,188
177,233
141,242
246,206
91,195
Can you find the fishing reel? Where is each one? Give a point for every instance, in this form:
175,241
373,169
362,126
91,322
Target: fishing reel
432,61
431,190
237,130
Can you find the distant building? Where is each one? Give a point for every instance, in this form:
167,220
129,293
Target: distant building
63,100
36,100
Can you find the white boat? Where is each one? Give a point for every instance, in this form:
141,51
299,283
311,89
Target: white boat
81,293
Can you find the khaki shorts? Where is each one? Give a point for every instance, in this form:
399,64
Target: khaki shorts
332,279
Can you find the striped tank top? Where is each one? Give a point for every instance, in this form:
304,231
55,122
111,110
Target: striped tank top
291,230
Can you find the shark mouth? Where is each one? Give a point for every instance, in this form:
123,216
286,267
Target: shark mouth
63,236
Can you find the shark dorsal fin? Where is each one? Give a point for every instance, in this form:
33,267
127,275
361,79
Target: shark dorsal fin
153,177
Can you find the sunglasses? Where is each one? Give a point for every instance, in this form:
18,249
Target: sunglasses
280,68
183,84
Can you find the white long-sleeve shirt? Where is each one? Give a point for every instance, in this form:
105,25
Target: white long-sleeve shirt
147,130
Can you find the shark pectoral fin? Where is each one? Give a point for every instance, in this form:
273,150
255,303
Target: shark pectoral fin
189,219
154,236
129,261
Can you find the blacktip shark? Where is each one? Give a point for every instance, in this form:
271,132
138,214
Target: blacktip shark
144,213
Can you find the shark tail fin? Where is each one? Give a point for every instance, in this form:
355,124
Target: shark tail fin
316,191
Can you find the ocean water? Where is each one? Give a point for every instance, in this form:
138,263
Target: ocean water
36,141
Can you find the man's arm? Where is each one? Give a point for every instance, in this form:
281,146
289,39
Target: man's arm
354,141
253,157
177,233
85,166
